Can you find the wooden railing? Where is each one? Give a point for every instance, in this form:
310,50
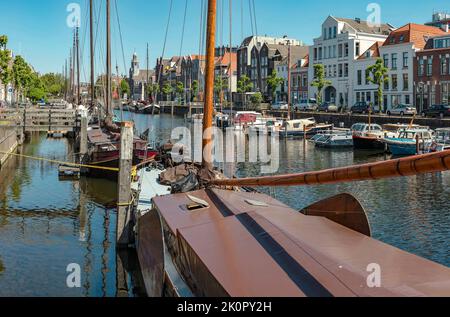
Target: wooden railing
40,119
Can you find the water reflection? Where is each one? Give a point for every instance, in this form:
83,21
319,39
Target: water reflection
47,224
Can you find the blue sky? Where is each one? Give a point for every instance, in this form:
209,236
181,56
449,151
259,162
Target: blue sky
38,30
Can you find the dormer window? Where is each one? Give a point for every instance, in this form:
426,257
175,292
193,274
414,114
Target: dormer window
392,39
402,38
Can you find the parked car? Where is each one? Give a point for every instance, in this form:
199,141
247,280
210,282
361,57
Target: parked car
307,105
280,106
402,110
437,111
360,107
328,107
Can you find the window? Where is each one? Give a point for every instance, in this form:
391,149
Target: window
325,33
421,69
405,82
386,60
335,32
346,49
325,52
346,70
407,100
386,85
402,38
394,60
305,81
445,93
429,67
444,66
315,53
340,50
358,49
358,96
334,71
367,77
394,82
320,53
359,77
330,33
340,70
334,51
405,59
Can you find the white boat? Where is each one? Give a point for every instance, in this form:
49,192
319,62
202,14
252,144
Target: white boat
303,128
334,139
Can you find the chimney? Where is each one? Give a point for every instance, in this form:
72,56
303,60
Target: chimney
445,27
358,20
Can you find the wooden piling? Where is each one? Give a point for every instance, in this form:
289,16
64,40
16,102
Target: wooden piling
124,185
83,135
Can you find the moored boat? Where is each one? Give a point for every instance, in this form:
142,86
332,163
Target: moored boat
367,136
410,141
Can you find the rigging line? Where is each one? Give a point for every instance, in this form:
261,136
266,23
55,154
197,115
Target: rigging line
251,16
254,15
121,38
242,19
200,47
83,43
184,26
165,41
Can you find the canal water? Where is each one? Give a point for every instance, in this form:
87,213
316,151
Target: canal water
47,224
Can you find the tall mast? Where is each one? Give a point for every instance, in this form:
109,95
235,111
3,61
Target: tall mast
65,80
209,84
78,65
230,70
91,19
108,60
148,79
289,80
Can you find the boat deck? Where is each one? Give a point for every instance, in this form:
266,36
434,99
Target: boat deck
149,188
251,245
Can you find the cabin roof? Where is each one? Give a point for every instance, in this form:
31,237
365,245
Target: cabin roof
249,244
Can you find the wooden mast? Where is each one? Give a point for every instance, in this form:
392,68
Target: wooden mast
77,39
415,165
91,19
108,61
209,84
289,81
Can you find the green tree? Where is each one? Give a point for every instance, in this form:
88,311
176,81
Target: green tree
378,74
124,88
244,85
21,76
256,100
219,86
153,90
5,59
319,81
179,90
195,90
167,90
53,84
273,81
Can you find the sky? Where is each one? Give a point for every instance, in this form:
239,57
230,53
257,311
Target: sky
38,30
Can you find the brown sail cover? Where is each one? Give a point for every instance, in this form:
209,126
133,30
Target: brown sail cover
249,244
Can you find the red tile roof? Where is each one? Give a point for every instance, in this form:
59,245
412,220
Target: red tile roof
416,34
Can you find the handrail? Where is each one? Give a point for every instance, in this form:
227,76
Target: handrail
410,166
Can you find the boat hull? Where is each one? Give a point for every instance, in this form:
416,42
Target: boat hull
367,143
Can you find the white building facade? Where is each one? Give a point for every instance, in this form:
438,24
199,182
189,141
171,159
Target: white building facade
341,44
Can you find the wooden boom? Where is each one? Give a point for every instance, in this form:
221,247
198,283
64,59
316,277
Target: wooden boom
415,165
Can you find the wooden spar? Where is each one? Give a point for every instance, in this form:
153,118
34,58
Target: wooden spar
209,84
415,165
289,82
91,22
108,60
77,32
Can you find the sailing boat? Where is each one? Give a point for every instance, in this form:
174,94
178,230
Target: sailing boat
104,141
220,240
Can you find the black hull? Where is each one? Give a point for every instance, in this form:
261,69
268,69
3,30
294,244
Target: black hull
367,143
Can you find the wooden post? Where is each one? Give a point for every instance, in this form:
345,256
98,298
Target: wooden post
83,136
124,190
417,145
